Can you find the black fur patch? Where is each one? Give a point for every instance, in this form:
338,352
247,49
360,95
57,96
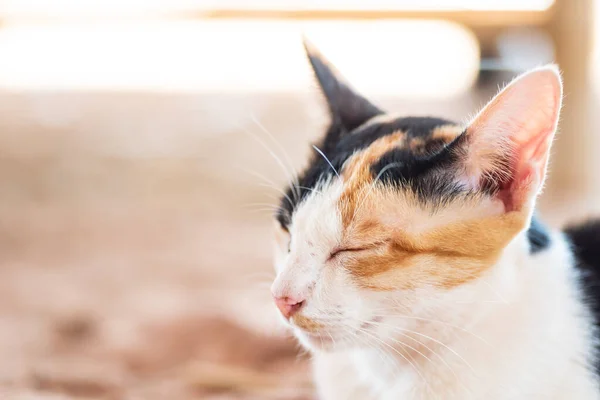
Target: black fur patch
538,236
348,109
585,241
426,174
430,175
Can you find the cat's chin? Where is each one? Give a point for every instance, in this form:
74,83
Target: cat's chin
322,342
315,342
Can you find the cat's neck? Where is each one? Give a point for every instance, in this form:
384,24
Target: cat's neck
528,306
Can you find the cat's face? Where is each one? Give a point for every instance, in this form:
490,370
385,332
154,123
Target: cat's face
394,214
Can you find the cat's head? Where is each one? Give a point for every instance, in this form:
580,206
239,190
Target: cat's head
394,214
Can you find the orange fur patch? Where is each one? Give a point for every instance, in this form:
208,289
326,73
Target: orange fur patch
447,133
306,323
417,145
446,257
357,172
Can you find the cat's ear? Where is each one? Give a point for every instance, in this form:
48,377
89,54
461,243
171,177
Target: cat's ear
507,144
347,108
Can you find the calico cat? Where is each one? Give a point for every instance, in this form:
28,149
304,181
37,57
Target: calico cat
409,261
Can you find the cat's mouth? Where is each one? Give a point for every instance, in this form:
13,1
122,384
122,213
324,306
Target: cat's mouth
316,335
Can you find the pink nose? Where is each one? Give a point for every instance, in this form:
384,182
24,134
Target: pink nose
288,306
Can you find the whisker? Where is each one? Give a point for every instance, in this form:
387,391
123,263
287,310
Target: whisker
432,321
269,184
442,359
285,196
260,207
265,211
281,148
380,353
426,337
450,349
400,354
311,189
260,204
412,348
289,176
326,159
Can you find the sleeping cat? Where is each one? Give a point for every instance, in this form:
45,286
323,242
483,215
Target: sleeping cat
409,261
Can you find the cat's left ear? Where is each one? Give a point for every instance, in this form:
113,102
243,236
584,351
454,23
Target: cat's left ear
507,145
348,109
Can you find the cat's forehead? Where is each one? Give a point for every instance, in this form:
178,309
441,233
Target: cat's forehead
389,148
405,146
421,129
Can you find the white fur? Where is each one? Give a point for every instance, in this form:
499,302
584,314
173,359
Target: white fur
521,332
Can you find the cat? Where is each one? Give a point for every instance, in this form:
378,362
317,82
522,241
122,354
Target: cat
410,262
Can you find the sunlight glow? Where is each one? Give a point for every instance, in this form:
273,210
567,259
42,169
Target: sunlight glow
412,5
98,8
230,56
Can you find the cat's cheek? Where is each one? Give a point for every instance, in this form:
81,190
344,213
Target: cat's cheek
343,264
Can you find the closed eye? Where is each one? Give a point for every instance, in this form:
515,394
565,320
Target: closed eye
371,246
337,252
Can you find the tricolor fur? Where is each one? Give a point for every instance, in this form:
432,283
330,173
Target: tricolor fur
416,268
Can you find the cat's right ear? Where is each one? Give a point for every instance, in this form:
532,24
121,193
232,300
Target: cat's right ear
508,143
347,108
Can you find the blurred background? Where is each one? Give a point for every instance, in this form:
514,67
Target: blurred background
143,144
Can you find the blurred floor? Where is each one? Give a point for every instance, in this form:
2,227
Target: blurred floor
123,233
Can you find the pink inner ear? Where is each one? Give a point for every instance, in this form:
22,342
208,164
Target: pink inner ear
529,169
514,192
511,138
